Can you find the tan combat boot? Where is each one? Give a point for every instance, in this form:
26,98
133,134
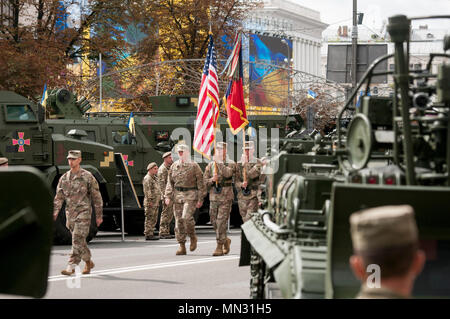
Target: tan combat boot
193,243
181,250
226,246
218,251
88,267
68,271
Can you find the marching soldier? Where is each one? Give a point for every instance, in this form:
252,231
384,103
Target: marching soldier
3,162
247,182
185,189
79,189
152,193
218,179
386,236
167,210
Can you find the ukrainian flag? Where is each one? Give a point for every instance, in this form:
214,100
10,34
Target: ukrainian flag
131,125
44,96
312,94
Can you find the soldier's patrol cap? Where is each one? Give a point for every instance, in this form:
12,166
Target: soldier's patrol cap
3,160
151,165
74,154
166,154
378,228
249,145
182,147
221,145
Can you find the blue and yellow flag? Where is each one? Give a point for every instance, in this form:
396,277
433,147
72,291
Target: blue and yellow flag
312,94
131,125
44,96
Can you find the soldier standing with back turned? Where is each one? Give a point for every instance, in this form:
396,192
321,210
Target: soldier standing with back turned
79,189
387,237
167,210
247,182
152,194
185,189
218,179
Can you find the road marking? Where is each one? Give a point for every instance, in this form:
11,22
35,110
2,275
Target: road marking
145,267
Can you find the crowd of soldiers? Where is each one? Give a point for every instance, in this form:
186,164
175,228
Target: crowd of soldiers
182,187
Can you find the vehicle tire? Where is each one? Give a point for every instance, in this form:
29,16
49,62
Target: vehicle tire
62,235
257,273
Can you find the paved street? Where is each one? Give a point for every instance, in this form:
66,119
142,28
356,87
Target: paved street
150,269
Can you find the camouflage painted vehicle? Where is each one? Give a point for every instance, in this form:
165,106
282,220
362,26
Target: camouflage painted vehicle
40,137
396,150
27,139
26,231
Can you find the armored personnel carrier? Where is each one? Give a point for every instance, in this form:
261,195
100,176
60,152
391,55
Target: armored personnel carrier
395,151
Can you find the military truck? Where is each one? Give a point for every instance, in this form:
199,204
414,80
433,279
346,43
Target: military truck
171,120
395,151
66,118
26,138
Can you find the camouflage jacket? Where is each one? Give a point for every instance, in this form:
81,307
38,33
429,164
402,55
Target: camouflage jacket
225,172
185,182
253,178
80,191
163,174
152,190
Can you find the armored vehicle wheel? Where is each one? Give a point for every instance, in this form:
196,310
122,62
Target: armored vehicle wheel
257,273
62,235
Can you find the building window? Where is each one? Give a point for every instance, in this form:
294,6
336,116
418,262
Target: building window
417,66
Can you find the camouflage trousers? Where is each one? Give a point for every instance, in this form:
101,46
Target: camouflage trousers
79,228
151,217
166,219
219,212
247,207
184,220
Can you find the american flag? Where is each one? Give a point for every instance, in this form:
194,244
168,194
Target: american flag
208,104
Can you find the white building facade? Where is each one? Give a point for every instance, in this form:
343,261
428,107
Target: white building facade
289,20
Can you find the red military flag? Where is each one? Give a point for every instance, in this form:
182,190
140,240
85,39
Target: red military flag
208,104
234,97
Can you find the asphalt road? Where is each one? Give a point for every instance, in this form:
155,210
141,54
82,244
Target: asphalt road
137,269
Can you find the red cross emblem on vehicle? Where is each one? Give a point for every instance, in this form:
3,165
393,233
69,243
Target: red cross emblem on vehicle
129,163
21,141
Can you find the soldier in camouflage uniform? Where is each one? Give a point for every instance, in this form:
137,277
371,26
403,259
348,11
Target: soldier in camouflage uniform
386,236
79,189
185,189
218,179
247,190
152,196
167,210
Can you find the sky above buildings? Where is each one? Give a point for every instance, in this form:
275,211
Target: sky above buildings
339,12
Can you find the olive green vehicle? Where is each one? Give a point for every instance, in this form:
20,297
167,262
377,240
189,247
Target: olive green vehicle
40,137
396,150
27,139
26,231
